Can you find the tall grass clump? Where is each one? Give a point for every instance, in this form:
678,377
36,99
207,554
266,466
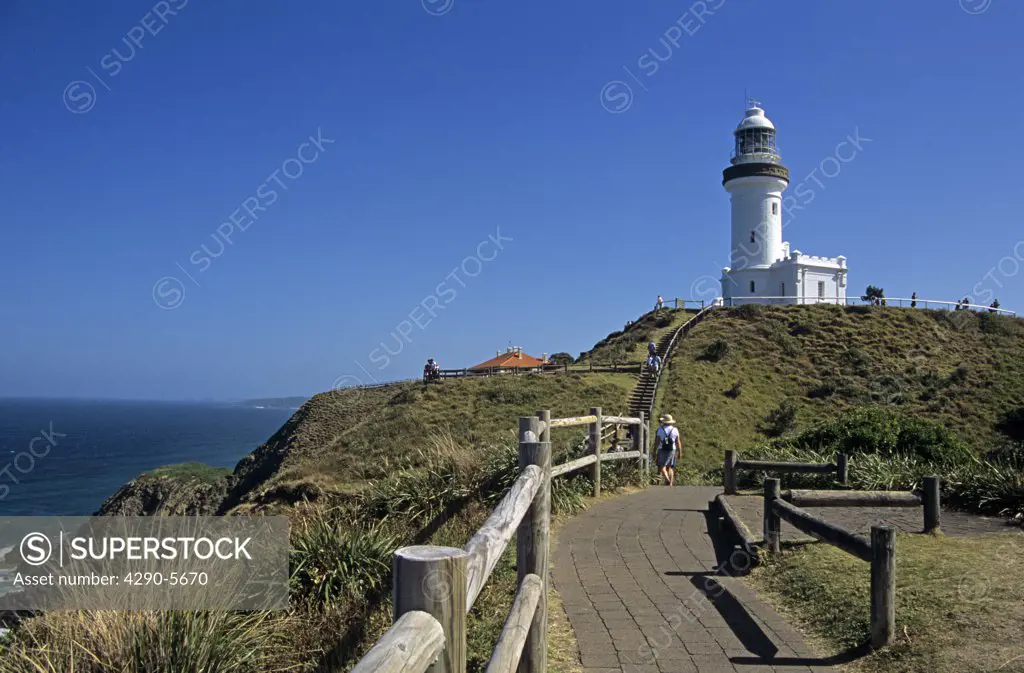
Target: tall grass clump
146,642
334,561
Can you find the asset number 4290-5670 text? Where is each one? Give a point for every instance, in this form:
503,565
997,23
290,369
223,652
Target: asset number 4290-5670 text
173,579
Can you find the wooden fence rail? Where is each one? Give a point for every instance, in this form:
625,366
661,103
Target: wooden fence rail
434,588
733,464
928,500
410,646
614,368
879,551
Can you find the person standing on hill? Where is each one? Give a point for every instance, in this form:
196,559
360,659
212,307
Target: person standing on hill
660,305
670,445
913,300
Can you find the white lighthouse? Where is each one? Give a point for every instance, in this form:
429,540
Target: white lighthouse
762,268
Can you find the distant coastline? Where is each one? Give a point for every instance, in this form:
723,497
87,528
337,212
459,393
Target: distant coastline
290,403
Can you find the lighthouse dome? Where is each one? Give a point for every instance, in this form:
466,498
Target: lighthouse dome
754,119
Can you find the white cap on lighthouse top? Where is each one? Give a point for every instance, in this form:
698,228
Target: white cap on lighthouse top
754,119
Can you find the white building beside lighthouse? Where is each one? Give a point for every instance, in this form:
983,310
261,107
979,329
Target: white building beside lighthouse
762,267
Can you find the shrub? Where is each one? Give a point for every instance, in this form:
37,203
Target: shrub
931,380
993,323
873,294
780,420
863,430
826,389
715,351
749,311
561,359
959,375
856,360
930,441
334,561
870,430
734,392
1011,424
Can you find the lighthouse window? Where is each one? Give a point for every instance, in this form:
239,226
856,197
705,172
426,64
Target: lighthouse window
753,236
755,141
751,287
775,207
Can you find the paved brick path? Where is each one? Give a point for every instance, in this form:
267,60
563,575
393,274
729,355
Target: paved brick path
638,580
750,508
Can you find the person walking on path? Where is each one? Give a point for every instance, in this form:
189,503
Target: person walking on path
669,447
660,305
913,300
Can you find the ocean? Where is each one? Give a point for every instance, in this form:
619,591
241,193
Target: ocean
65,457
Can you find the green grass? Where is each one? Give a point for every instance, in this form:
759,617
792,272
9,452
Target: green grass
959,601
190,472
630,344
147,642
960,369
340,441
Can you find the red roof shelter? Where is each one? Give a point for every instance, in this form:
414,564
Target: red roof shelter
514,357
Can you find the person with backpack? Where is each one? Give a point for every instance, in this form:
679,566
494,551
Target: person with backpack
670,445
652,350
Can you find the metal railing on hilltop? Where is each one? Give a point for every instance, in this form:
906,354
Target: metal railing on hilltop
900,302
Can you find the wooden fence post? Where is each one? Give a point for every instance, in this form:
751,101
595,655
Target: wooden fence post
843,469
641,446
730,471
544,416
595,446
638,445
532,542
931,504
433,580
883,585
772,522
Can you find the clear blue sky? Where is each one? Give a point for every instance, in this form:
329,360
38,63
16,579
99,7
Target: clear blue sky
452,120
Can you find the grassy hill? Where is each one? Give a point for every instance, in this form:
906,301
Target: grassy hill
363,471
630,343
341,440
960,369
